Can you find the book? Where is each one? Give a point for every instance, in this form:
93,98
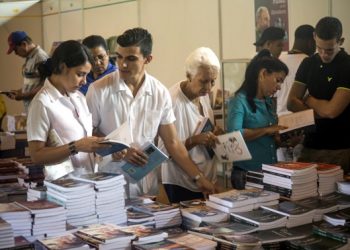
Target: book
341,233
205,126
232,148
164,245
194,241
68,241
341,217
317,242
118,139
67,185
296,120
155,158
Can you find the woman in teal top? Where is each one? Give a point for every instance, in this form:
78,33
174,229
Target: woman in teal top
252,112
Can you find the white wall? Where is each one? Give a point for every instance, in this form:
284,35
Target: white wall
177,26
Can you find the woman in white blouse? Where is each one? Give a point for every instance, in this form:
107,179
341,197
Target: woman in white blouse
59,124
191,105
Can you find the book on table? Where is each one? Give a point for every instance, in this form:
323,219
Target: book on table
119,139
317,242
205,126
68,241
155,158
340,217
341,233
232,147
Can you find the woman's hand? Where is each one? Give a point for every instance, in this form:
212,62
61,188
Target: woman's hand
207,139
274,129
90,144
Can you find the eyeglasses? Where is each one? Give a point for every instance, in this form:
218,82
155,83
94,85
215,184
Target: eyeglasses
100,57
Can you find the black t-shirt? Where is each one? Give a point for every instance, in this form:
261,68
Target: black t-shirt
322,80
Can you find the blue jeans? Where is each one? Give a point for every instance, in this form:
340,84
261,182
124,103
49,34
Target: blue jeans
238,178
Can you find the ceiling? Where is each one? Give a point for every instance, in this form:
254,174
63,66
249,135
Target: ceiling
10,9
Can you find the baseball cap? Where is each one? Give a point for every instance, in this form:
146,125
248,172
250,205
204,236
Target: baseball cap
270,34
14,39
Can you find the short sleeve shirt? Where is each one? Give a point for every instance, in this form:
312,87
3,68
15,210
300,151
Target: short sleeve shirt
30,72
68,116
241,116
322,80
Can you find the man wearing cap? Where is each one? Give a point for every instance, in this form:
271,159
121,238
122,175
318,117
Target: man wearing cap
23,46
272,39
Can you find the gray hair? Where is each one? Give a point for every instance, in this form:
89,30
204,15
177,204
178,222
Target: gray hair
201,57
260,10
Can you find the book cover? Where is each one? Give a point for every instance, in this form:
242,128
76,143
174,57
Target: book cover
288,208
99,178
155,158
258,216
316,242
341,233
296,120
115,146
289,167
204,213
40,206
67,185
205,126
68,241
232,148
164,245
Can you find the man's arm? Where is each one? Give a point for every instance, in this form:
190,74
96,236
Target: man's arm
295,101
330,108
180,155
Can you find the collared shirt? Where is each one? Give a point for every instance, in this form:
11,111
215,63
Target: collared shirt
187,119
112,103
90,77
68,116
30,73
241,116
322,80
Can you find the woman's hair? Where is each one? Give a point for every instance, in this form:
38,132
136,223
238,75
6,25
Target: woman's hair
263,60
71,53
201,57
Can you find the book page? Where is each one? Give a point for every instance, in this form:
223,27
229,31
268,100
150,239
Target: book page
296,120
122,133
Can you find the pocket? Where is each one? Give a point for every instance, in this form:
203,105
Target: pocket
151,124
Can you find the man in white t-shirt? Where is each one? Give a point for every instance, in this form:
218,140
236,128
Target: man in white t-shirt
304,46
131,95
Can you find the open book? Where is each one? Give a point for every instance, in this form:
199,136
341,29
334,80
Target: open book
119,139
232,148
155,158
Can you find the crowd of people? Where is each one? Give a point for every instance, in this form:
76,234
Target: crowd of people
64,124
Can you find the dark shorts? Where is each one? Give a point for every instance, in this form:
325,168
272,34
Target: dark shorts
238,178
176,193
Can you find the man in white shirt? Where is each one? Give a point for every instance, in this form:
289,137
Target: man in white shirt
131,95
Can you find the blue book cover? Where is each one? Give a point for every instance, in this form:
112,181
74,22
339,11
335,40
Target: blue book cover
155,158
115,146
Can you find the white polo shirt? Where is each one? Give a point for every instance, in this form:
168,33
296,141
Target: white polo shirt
112,103
187,118
68,116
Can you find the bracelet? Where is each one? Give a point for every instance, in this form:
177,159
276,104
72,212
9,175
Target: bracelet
197,177
72,148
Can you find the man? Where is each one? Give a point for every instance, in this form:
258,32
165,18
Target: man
272,39
304,46
326,76
102,67
262,21
132,95
23,46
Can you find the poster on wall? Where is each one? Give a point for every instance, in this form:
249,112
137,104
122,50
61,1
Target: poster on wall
271,13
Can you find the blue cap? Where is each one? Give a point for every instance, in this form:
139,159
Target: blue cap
14,39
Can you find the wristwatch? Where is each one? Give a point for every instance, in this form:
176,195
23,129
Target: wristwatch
197,177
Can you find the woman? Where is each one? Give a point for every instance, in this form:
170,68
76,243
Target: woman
59,123
252,112
191,105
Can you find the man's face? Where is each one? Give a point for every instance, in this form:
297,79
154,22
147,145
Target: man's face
131,63
21,50
327,49
101,59
263,21
275,47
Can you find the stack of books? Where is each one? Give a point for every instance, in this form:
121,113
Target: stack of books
242,200
254,179
194,241
164,215
297,214
19,218
32,175
67,241
165,244
109,196
315,241
106,236
13,191
78,198
36,193
145,235
6,234
293,180
49,218
261,218
9,171
341,233
195,216
328,176
139,217
321,206
246,242
344,187
342,200
340,217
